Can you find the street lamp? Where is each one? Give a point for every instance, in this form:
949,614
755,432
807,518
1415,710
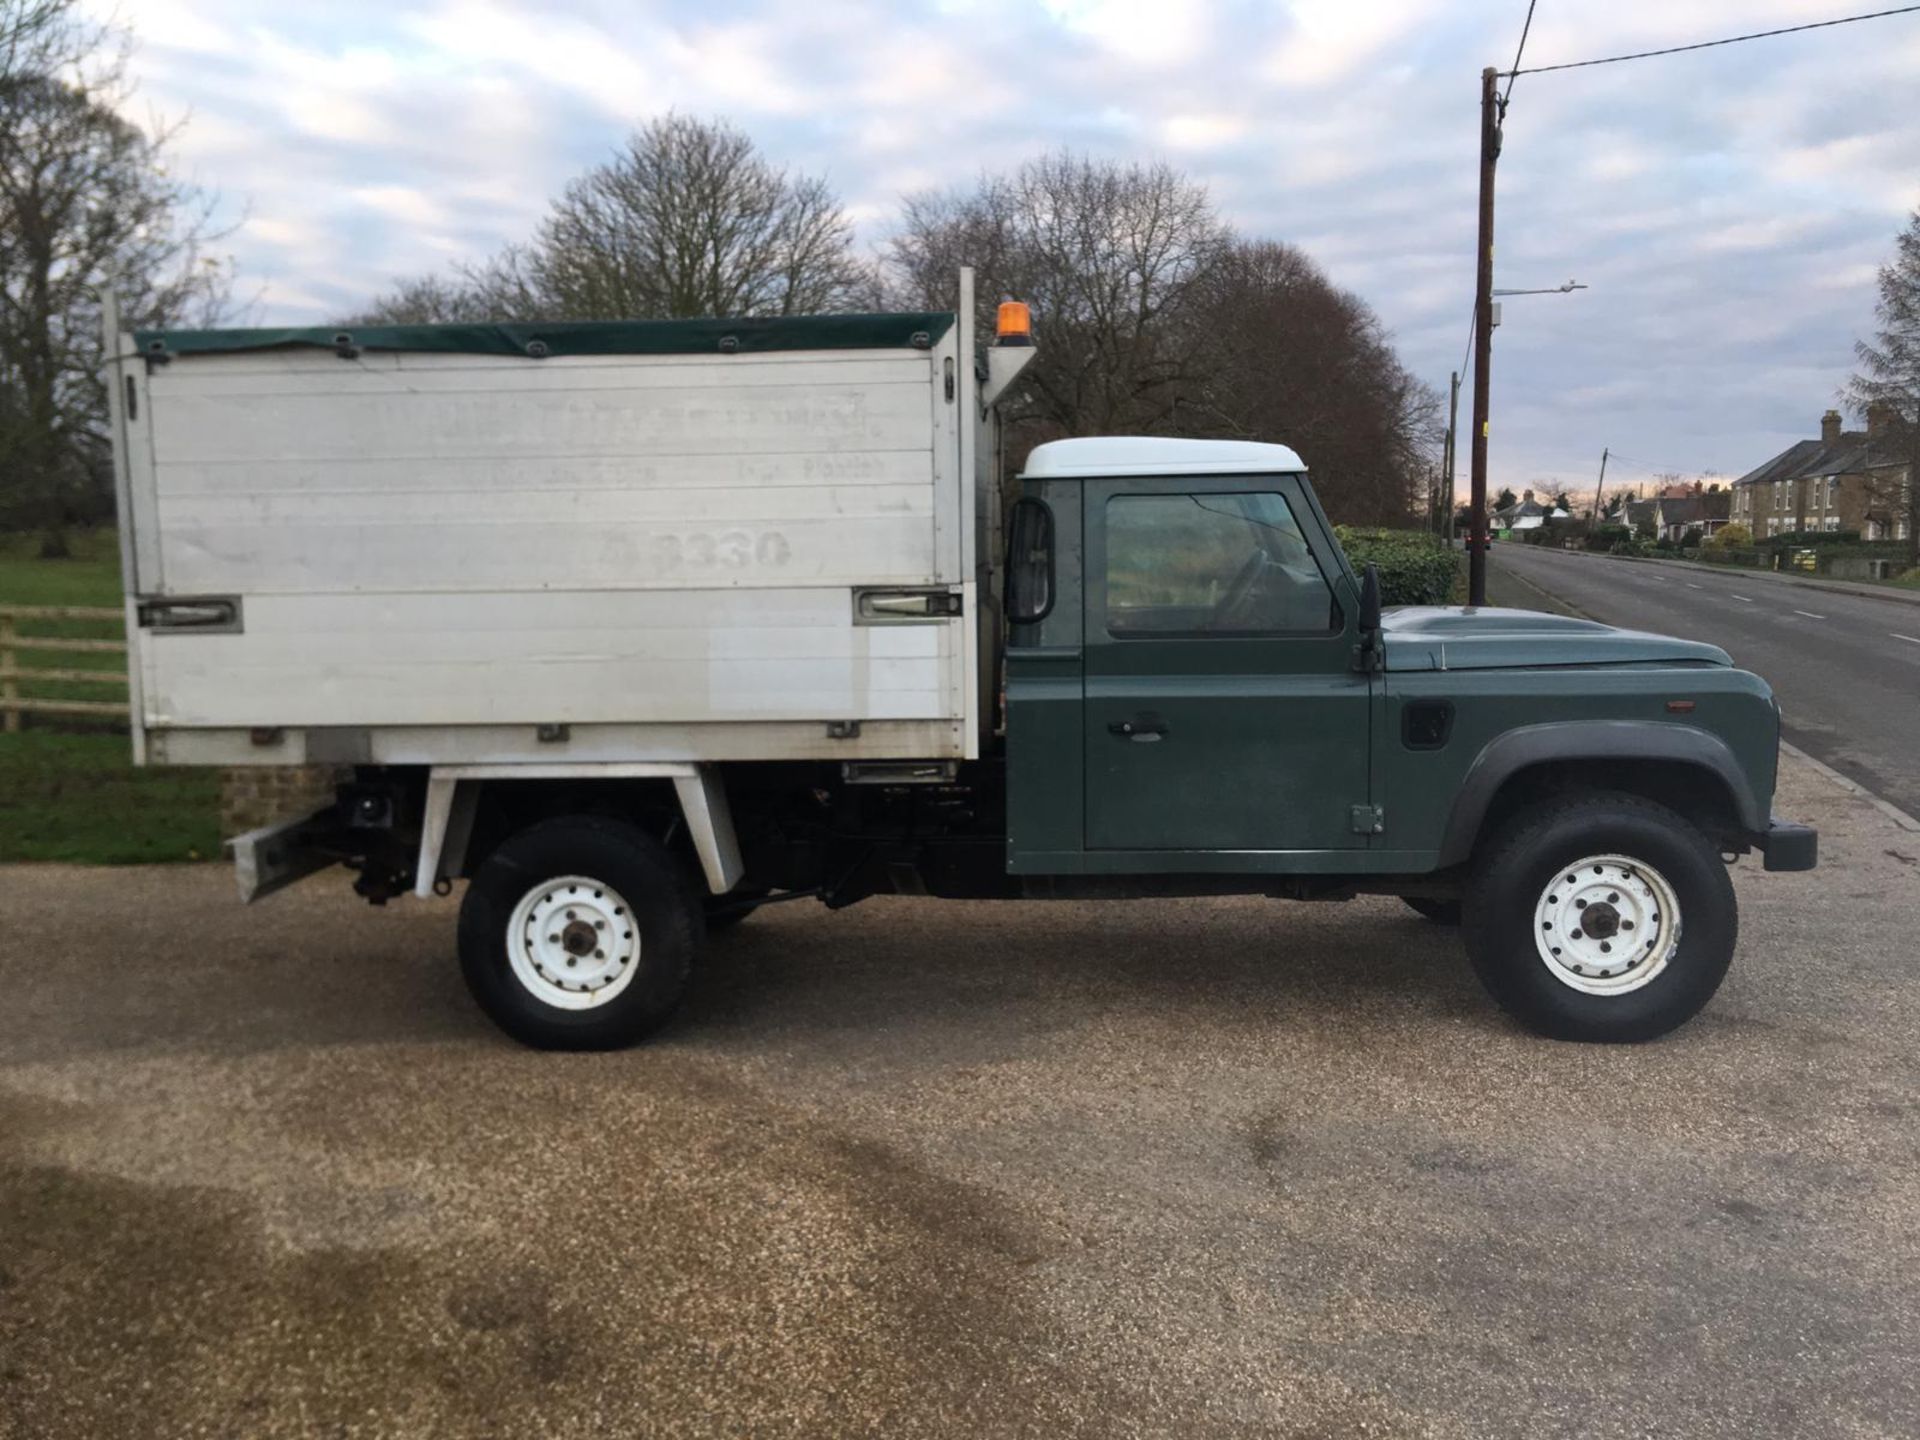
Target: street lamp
1567,288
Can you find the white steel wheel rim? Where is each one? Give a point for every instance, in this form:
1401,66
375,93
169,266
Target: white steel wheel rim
1606,924
573,942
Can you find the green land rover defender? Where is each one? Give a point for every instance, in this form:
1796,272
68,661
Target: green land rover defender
638,628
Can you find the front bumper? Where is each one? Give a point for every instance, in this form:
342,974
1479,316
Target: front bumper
1788,846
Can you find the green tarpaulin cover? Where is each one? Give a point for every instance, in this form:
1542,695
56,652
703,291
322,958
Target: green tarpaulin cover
595,337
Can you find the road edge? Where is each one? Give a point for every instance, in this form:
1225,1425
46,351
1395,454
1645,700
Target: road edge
1545,593
1829,587
1853,787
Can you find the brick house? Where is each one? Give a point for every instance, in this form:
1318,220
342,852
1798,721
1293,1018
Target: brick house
1845,480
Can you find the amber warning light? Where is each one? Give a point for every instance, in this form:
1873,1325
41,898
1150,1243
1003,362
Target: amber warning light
1015,326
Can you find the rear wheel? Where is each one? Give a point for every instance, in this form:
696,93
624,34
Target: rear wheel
579,934
1601,917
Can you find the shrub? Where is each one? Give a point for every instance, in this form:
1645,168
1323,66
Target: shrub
1605,537
1415,568
1730,537
1801,539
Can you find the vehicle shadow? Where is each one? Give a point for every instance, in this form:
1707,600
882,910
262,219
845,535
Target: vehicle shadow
989,973
185,969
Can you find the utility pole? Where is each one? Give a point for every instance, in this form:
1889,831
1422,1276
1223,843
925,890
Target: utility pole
1483,336
1599,487
1452,459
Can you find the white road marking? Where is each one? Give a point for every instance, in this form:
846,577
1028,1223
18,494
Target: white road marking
1692,586
1908,638
1746,598
1809,614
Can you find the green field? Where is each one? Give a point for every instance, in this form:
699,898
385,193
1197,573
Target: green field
67,788
91,577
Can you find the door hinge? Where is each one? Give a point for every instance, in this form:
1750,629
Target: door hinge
1369,820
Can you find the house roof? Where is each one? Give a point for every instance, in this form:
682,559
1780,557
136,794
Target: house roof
1693,509
1525,509
1849,455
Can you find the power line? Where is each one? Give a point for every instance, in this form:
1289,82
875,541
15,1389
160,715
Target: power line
1706,44
1656,468
1514,73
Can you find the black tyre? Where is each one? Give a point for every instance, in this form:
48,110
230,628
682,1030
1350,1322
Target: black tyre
1441,912
1601,917
579,934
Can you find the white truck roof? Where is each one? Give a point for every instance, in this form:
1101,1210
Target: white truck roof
1104,455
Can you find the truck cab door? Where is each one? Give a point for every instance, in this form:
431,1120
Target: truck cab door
1223,711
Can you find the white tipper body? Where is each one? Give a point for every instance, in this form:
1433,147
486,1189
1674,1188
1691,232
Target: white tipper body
481,559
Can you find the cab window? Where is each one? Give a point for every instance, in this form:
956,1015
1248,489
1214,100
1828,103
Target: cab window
1233,564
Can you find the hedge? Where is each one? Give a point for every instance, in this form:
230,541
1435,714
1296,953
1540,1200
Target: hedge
1415,568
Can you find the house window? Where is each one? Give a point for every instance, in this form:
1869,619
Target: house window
1833,522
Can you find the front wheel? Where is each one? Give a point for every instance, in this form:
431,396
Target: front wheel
579,934
1601,917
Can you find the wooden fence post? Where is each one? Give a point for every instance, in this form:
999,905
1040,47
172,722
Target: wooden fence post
9,688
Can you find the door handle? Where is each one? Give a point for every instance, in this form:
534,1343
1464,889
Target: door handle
1143,728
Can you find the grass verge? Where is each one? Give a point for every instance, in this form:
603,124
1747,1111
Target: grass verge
70,792
76,798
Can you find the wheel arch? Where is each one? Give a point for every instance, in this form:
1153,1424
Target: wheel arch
1690,770
454,792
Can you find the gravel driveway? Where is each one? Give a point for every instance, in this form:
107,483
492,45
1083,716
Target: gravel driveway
1227,1168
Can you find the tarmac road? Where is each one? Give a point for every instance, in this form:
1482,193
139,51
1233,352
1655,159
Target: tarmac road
1846,669
1224,1168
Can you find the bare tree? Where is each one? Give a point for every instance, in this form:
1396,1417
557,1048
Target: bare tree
1153,317
37,37
426,300
85,200
1286,356
1110,256
499,289
1885,390
688,219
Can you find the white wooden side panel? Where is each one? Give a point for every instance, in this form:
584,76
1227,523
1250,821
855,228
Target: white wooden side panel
553,657
469,541
285,474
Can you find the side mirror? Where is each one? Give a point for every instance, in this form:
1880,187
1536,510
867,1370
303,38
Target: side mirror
1370,600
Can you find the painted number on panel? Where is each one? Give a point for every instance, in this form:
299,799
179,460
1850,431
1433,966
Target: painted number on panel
727,550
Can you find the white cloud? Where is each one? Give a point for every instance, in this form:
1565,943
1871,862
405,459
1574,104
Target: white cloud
1204,132
1153,34
1331,39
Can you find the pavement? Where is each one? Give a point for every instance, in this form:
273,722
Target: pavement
1214,1168
1846,667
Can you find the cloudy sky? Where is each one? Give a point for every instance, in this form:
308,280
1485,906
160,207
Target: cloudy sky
1728,208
